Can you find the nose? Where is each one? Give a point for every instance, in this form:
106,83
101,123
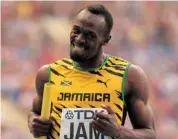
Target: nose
80,38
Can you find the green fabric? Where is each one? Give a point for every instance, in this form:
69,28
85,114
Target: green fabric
49,73
123,83
91,69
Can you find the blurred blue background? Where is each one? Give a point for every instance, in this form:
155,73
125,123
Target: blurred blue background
37,33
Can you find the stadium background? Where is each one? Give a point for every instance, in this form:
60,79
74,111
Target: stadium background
36,33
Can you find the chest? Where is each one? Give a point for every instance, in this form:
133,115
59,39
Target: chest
88,82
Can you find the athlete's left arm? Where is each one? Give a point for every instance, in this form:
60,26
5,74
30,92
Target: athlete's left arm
140,113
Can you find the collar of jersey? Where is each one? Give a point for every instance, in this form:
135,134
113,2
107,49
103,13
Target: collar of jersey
91,69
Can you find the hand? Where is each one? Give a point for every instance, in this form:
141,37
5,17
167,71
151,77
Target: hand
106,123
38,126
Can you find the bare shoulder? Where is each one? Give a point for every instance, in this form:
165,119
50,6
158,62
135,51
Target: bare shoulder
41,79
135,72
137,83
42,73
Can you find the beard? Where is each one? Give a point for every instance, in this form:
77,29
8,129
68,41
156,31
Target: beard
78,57
84,55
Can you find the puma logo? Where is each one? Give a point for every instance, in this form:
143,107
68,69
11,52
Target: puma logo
105,83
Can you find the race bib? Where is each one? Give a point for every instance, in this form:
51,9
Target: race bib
76,124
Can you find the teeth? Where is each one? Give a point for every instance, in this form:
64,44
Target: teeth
79,46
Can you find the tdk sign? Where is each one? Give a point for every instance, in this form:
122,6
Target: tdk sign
85,114
76,123
79,114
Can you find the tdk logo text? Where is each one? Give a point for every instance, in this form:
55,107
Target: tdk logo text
85,114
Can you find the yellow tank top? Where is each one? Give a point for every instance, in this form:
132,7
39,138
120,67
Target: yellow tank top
82,93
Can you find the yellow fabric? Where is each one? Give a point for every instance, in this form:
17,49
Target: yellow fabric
86,89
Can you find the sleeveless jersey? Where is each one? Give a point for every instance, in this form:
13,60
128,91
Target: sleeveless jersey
81,94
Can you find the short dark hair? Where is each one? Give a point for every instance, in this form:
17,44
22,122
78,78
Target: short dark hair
101,10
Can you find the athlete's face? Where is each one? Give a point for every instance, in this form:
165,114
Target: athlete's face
87,36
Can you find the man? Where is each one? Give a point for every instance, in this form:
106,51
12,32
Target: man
96,90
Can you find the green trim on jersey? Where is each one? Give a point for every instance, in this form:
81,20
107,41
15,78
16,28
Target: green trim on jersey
123,83
91,69
49,73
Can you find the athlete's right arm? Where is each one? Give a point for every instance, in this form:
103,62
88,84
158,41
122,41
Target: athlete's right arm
39,127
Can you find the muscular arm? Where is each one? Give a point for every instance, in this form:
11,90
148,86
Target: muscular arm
139,111
41,79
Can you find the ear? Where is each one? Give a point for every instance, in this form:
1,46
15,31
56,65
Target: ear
106,40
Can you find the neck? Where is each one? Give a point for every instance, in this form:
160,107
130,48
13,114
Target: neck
94,63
